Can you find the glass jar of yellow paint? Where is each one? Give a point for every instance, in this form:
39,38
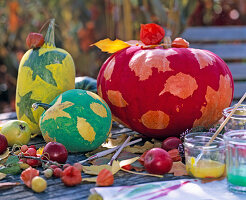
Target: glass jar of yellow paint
212,162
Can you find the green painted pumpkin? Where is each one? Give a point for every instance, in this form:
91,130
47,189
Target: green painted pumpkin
43,74
79,119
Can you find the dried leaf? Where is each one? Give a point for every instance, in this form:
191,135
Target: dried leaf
111,46
111,142
2,175
8,185
157,143
4,155
178,169
144,174
128,161
40,150
140,149
95,169
91,179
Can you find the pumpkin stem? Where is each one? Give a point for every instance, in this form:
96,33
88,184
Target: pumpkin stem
50,35
43,105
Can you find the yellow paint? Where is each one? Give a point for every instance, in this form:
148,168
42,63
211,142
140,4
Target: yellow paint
98,109
64,75
205,168
56,110
155,119
85,129
180,85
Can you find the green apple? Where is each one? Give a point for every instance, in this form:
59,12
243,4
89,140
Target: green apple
16,132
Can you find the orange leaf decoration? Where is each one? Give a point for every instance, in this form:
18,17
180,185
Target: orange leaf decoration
111,46
178,169
105,178
27,176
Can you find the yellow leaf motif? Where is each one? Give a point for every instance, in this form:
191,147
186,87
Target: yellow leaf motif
111,46
85,129
57,110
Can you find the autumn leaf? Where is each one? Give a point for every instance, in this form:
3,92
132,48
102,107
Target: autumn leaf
178,169
90,179
40,150
111,46
95,169
8,185
140,149
4,155
2,175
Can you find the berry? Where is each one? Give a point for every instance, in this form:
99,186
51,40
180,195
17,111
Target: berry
71,176
57,172
66,165
48,173
33,146
31,152
78,166
24,148
32,162
151,34
53,166
38,184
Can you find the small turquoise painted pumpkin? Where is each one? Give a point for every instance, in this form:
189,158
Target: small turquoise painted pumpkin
79,119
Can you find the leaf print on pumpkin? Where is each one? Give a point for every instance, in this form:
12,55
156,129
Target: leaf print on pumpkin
57,110
204,58
24,106
85,129
38,64
156,58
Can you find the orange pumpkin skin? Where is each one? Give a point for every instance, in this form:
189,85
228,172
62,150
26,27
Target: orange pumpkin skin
163,92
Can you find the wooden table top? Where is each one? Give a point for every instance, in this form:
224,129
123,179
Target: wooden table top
57,190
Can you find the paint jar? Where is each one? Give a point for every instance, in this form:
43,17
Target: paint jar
237,120
212,163
235,143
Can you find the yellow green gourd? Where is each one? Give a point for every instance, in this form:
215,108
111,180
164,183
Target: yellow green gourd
43,74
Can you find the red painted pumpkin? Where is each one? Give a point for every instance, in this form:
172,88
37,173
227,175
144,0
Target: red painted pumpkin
162,92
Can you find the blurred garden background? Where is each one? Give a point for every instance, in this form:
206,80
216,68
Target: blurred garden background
80,23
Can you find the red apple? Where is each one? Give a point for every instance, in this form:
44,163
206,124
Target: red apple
3,143
56,152
157,161
171,143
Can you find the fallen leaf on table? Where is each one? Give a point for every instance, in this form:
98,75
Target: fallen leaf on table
111,142
128,161
157,143
4,155
90,179
140,149
8,185
95,169
2,175
178,169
